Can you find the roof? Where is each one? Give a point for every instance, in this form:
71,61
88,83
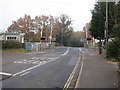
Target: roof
11,33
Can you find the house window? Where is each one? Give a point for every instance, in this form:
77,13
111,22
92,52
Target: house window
11,38
8,38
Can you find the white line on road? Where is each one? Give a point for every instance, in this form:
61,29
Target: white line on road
25,73
66,52
67,84
27,69
33,67
7,74
40,64
35,62
81,69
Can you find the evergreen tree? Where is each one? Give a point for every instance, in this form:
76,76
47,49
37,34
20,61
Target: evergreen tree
97,25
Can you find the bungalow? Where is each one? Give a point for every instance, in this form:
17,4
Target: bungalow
12,36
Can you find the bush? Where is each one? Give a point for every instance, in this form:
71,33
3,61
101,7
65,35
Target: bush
113,48
9,44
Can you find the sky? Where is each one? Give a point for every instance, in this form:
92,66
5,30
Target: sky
77,10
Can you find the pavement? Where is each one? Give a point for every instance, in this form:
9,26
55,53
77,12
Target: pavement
97,72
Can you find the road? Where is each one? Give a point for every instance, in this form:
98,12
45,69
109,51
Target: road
34,70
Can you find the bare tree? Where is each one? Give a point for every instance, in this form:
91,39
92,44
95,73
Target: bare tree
64,29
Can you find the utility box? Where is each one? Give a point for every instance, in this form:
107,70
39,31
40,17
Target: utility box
28,46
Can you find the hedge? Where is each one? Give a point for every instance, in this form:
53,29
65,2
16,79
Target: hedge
113,48
9,44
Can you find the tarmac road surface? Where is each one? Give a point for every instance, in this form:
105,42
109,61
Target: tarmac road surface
49,70
58,68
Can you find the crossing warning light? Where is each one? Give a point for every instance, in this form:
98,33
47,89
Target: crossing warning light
43,38
89,39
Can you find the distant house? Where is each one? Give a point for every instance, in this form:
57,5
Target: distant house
12,36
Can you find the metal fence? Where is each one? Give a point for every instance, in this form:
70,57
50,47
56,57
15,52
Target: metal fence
37,46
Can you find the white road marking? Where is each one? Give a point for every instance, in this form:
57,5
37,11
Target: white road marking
25,73
40,63
56,58
81,69
24,60
66,52
15,61
26,70
71,75
30,61
35,62
31,68
7,74
19,62
80,49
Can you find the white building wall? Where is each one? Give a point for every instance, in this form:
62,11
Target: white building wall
19,37
1,37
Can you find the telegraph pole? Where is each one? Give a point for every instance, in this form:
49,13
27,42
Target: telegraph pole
106,25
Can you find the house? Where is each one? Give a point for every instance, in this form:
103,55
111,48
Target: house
12,36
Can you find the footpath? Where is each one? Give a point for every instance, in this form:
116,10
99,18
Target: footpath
97,72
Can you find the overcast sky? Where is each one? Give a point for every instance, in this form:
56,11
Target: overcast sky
77,10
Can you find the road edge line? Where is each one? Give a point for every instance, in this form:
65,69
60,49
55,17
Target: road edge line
81,69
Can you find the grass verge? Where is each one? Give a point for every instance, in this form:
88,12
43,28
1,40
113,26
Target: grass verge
113,60
13,50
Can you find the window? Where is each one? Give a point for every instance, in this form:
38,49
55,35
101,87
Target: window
11,38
